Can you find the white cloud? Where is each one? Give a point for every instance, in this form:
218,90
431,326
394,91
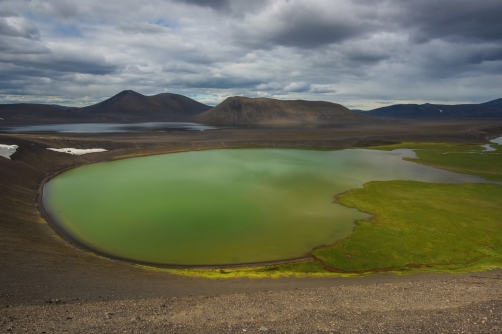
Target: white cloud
357,52
297,87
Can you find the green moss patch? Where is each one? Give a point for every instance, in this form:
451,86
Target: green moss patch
307,268
460,158
417,225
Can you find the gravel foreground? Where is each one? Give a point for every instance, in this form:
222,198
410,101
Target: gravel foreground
458,304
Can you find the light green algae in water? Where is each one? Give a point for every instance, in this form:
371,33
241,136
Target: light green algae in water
222,206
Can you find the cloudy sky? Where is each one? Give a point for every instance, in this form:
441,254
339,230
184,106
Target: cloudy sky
361,53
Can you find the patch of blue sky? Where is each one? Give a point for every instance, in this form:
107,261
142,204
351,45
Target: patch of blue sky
163,23
29,15
66,30
52,27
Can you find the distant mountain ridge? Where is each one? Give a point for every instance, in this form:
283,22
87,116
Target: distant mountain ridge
28,113
490,109
126,106
62,107
129,106
497,102
242,110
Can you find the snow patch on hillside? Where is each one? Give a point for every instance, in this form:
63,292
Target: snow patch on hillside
488,148
77,151
7,150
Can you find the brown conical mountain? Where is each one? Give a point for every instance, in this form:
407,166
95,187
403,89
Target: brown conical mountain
235,110
130,105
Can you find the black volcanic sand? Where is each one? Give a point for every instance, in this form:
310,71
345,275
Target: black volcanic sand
46,284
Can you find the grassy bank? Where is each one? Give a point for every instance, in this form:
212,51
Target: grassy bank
460,158
415,226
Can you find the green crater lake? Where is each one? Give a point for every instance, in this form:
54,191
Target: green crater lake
224,206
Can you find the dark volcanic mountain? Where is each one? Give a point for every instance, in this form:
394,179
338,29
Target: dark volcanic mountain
492,109
131,106
26,113
127,106
235,110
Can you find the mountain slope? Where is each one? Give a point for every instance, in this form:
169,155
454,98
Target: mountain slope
262,110
27,113
491,109
497,102
129,105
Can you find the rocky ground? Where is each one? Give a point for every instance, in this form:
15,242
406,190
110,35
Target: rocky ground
49,285
462,304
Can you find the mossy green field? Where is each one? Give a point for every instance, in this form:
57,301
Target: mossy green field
415,226
461,158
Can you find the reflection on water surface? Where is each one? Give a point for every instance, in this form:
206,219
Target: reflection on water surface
223,206
107,127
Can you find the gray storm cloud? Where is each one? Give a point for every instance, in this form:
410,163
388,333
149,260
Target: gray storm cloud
360,53
216,4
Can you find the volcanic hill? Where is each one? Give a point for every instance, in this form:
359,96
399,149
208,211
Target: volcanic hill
239,110
129,105
126,106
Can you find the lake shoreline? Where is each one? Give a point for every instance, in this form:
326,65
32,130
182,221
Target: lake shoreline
42,271
76,241
71,240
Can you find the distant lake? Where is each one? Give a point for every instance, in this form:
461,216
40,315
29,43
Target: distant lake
224,206
108,127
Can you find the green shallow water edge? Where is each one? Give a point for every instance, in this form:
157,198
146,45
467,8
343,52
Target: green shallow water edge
415,227
230,206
